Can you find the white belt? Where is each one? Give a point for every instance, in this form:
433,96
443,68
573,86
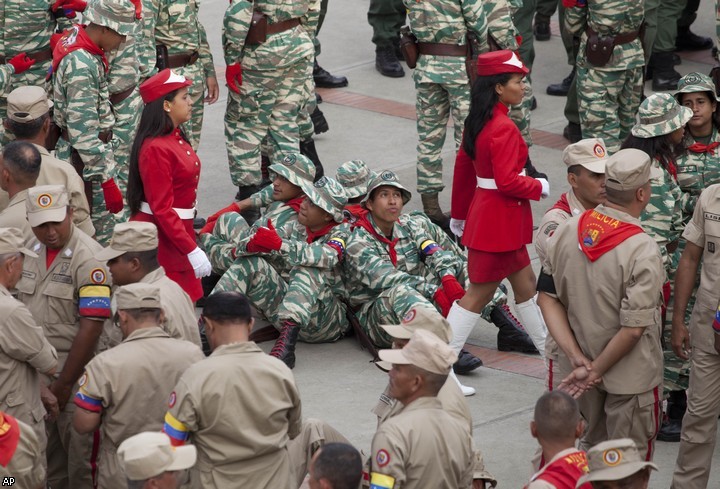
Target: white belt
489,183
182,213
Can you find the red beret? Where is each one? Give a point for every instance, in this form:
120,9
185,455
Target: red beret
161,84
498,62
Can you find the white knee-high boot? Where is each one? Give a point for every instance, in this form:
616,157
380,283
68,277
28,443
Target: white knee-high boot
531,318
462,323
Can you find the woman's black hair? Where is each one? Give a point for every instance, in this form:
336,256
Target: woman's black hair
658,147
716,113
483,99
154,122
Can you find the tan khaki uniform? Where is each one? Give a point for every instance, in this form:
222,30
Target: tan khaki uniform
130,384
699,428
57,172
422,446
52,296
552,219
24,352
314,433
26,464
15,215
620,289
240,407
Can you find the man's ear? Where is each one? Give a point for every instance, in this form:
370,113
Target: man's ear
533,429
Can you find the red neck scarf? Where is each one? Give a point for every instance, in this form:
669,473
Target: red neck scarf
320,233
598,233
563,204
365,223
72,40
566,471
295,203
704,148
9,437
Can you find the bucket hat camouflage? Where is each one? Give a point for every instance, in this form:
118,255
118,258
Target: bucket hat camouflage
118,15
328,195
354,175
696,82
387,177
296,168
660,114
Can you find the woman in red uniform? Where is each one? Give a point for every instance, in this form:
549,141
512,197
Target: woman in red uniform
163,179
491,194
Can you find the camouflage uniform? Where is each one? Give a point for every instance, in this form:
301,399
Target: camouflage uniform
274,86
522,14
175,24
608,96
441,82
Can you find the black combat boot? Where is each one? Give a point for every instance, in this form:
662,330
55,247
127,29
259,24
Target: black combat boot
325,79
320,124
664,75
466,363
284,348
672,423
244,191
561,89
541,29
307,148
208,284
387,63
511,335
572,132
687,40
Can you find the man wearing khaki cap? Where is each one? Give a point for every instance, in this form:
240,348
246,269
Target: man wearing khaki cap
617,464
124,390
68,293
151,462
132,257
28,119
600,296
585,161
25,353
422,446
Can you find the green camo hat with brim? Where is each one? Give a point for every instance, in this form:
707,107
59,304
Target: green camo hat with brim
118,15
354,176
296,168
387,178
696,82
328,195
660,114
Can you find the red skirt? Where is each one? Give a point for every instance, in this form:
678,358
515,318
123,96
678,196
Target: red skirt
488,266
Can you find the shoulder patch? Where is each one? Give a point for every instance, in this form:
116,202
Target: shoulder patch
173,399
550,228
98,276
382,458
83,380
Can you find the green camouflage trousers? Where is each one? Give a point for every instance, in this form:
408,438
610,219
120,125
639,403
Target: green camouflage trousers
433,104
608,102
269,104
127,118
193,127
306,129
306,299
229,229
520,113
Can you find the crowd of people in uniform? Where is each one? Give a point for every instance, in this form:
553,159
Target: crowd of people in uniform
102,257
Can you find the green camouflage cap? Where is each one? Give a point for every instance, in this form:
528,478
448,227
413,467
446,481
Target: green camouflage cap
696,82
660,114
328,195
387,177
118,15
296,168
354,175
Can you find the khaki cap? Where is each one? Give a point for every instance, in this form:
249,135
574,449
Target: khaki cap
387,177
354,175
424,350
25,104
11,241
46,203
118,15
588,153
138,296
296,168
328,195
129,237
420,318
150,454
629,169
613,460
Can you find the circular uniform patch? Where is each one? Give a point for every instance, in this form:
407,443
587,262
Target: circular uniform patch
44,200
612,457
83,380
388,176
289,160
382,458
173,398
321,183
599,151
409,316
692,79
98,276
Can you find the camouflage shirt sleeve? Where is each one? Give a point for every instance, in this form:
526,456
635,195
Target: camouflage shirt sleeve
236,24
500,24
476,21
318,254
576,20
262,198
6,71
311,18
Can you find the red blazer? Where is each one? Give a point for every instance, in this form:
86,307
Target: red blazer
496,220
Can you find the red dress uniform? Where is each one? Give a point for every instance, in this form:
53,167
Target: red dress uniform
170,170
496,220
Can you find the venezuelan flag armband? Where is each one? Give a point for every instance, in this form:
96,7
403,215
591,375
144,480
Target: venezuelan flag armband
381,481
94,301
176,430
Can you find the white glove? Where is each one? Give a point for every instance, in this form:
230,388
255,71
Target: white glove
200,263
545,187
457,226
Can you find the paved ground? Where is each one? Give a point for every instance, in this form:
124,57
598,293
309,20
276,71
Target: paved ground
373,119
